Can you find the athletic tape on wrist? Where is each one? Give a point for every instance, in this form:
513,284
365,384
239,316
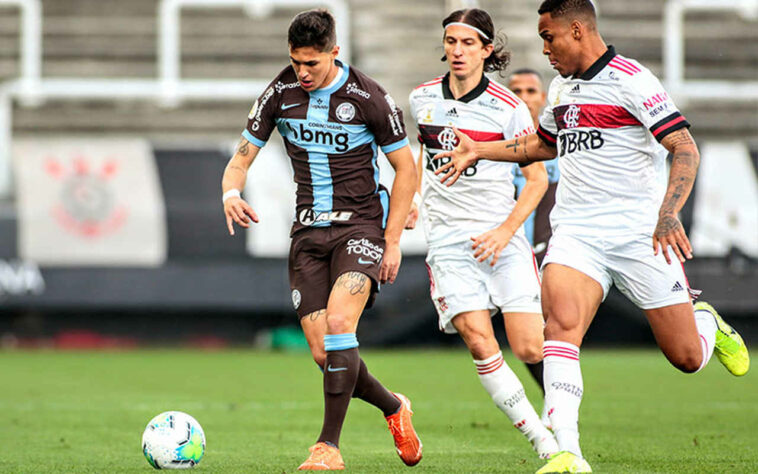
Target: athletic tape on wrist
229,194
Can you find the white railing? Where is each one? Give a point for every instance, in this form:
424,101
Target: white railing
169,88
673,53
174,88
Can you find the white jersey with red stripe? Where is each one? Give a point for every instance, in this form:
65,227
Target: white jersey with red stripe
607,125
483,197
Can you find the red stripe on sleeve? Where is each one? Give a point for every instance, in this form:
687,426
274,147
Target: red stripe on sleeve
667,125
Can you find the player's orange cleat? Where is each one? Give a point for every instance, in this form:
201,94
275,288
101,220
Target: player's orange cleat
407,443
323,458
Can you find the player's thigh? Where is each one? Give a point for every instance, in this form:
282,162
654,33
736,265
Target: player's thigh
475,328
457,284
526,335
357,249
314,328
308,268
676,334
347,300
645,278
575,280
514,282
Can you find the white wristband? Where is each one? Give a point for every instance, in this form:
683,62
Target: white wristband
229,194
417,199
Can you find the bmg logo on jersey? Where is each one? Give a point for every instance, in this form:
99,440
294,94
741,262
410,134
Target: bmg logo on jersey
364,248
301,133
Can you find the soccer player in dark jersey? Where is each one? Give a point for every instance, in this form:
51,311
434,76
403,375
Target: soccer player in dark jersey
611,123
346,232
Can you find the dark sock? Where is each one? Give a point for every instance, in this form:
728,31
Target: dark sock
536,371
370,390
340,375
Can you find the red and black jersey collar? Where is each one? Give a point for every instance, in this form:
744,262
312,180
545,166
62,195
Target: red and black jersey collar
598,65
447,94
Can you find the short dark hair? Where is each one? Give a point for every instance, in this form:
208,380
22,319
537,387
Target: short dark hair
558,8
527,70
313,28
500,57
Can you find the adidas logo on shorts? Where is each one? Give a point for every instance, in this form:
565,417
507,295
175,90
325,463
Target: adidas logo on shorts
677,287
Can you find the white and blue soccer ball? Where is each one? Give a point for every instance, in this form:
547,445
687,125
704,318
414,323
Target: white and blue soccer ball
173,440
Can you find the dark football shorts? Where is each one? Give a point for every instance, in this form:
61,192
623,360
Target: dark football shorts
319,255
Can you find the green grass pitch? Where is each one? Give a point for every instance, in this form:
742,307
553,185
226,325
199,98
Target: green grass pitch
84,412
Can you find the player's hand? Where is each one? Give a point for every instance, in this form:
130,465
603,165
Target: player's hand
463,156
669,232
237,210
390,263
490,244
410,221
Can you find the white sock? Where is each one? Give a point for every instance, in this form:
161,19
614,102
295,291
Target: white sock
508,394
563,392
706,327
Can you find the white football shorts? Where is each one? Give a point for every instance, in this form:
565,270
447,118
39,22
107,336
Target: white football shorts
459,283
628,261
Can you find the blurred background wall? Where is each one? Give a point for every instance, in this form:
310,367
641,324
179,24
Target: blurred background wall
111,155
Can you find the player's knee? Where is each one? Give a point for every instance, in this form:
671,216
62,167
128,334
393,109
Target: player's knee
337,323
529,353
558,325
481,345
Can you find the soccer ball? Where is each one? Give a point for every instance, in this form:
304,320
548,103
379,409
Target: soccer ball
173,440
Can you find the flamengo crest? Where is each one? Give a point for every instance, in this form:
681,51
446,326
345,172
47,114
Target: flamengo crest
571,117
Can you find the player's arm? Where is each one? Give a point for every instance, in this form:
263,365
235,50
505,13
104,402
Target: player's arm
519,150
492,242
684,164
410,223
400,202
232,184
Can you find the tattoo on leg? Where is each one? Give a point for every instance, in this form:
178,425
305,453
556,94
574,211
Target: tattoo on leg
354,282
316,314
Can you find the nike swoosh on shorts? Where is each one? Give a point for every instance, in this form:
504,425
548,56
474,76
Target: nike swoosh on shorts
335,369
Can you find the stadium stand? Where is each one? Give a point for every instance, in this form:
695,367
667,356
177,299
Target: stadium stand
397,44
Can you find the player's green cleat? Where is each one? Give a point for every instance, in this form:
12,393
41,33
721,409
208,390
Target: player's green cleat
729,348
565,461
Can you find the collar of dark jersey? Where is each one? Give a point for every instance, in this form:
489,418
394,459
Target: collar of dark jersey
471,95
598,65
345,70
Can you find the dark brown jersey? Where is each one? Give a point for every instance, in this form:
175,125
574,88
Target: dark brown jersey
332,135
